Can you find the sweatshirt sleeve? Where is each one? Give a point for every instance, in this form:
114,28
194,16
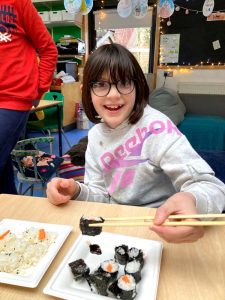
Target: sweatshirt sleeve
190,173
93,188
44,44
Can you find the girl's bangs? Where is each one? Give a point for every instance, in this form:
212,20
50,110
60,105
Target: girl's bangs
121,69
114,69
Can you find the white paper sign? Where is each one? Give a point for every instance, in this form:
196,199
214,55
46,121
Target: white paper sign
216,45
169,48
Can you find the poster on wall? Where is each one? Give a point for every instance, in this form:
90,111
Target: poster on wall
169,48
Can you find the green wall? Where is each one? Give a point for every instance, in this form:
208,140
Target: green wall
59,31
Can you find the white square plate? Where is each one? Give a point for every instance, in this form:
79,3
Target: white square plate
33,275
63,285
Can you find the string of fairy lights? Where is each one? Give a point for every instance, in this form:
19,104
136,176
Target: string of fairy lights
186,10
202,64
102,13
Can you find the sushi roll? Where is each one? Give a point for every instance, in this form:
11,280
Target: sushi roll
101,278
98,283
121,255
124,288
95,249
109,269
134,268
79,269
136,254
84,225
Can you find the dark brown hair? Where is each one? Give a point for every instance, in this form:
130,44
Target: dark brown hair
120,64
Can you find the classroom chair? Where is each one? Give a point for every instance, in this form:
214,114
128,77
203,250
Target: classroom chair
34,167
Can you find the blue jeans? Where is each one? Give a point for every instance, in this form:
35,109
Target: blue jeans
12,124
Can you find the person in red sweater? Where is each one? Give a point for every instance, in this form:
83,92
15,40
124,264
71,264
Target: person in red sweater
23,77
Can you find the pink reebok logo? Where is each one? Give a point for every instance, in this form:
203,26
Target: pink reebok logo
124,158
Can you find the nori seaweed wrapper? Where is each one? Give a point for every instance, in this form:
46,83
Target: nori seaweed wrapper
121,255
101,278
79,269
114,289
135,273
122,294
92,231
99,283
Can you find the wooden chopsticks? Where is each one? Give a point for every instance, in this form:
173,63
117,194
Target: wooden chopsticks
194,216
148,221
181,223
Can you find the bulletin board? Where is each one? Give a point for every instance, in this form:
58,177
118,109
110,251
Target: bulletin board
200,41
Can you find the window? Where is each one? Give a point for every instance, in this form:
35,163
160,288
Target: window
135,38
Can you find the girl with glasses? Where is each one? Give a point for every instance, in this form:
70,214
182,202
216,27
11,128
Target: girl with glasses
135,154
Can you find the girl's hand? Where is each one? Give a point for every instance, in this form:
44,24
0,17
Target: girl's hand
180,203
61,190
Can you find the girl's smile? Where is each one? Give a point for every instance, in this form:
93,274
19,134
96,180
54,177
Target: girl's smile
113,108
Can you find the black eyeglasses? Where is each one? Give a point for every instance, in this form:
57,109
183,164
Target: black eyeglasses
102,88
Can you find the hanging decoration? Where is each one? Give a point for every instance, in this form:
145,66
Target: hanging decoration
208,7
166,8
168,23
78,6
72,6
86,6
140,8
124,8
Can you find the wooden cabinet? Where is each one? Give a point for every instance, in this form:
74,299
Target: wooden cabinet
72,96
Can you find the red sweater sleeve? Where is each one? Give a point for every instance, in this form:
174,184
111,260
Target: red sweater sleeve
23,34
42,40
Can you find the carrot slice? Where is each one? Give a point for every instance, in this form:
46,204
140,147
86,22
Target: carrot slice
41,234
109,268
4,234
125,278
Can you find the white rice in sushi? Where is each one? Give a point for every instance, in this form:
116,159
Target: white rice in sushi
22,251
133,266
133,252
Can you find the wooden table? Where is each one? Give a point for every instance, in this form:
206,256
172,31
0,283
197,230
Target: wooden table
193,271
52,103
